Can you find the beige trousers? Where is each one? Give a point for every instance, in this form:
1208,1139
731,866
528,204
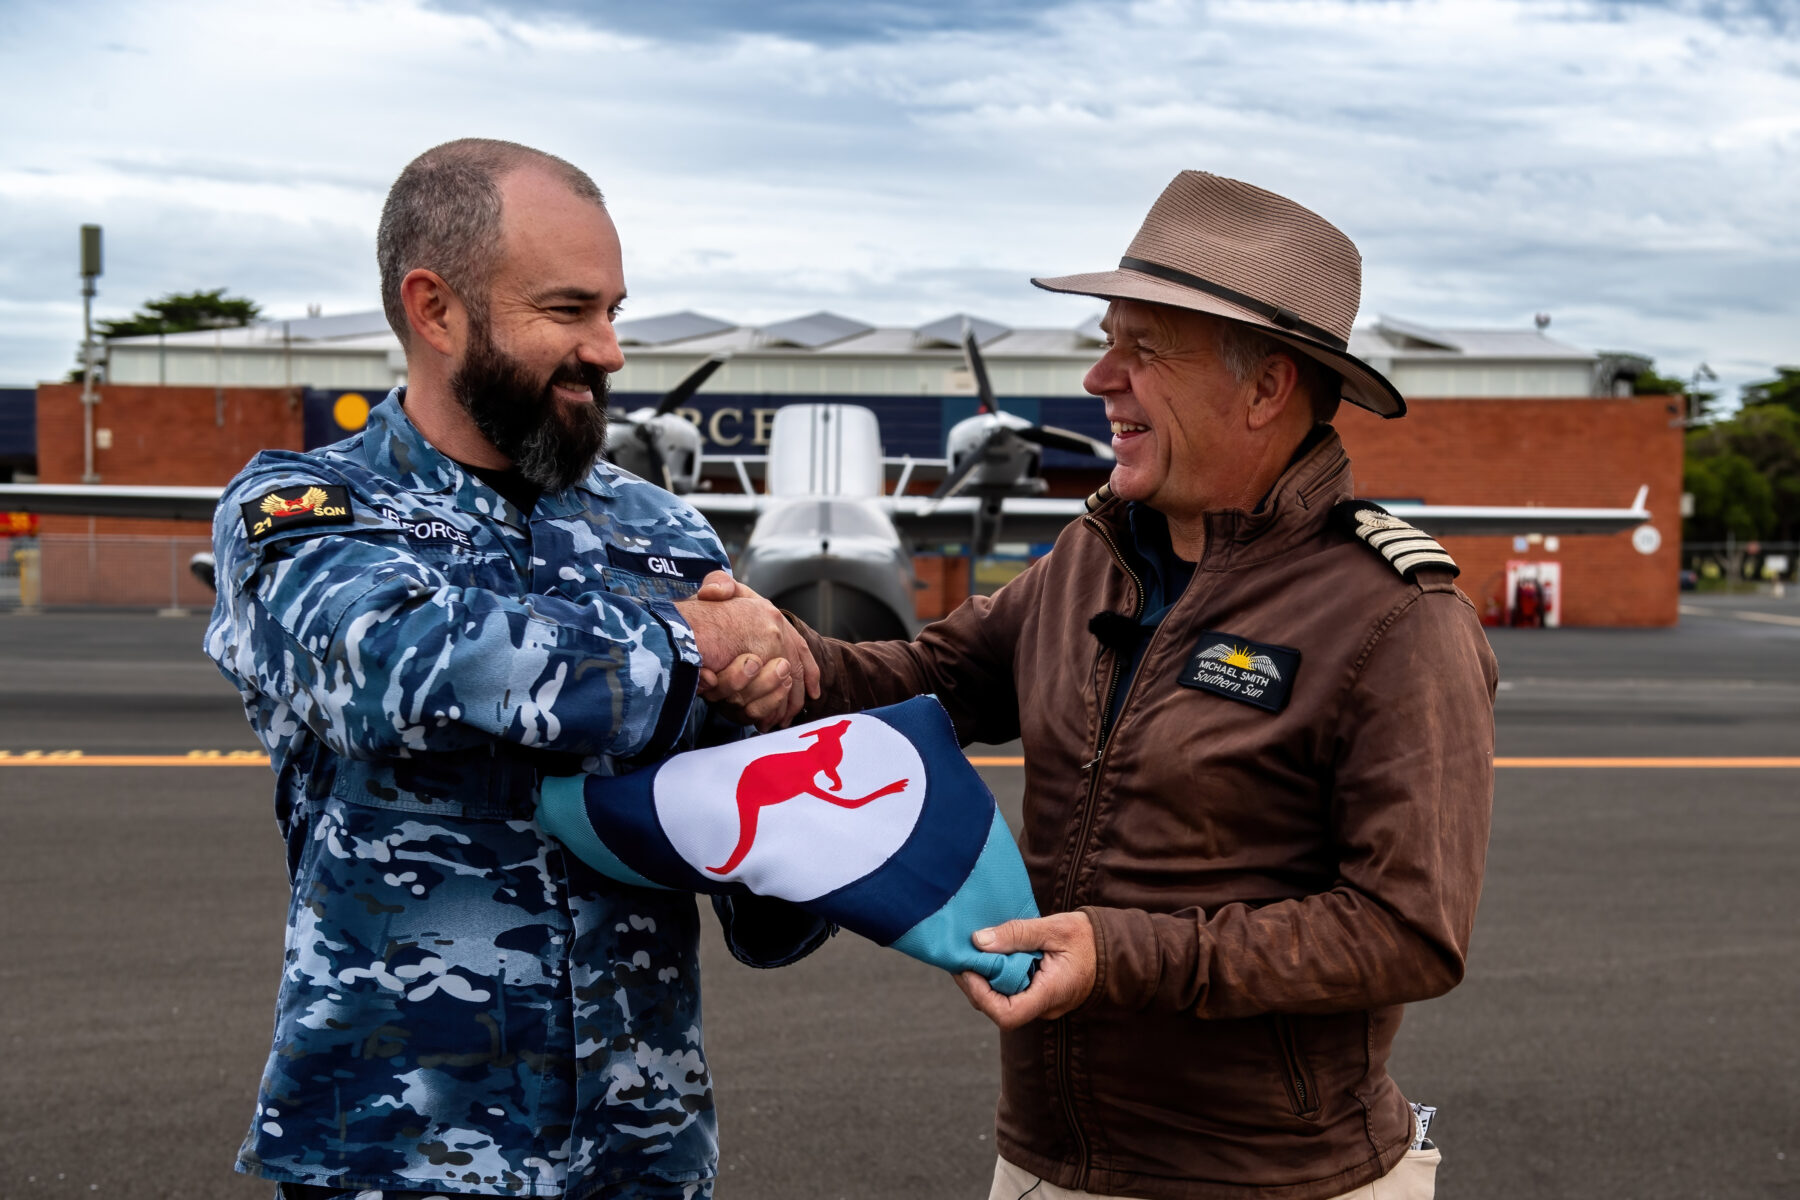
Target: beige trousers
1413,1178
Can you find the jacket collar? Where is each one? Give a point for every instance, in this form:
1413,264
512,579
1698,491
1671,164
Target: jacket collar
1295,510
394,448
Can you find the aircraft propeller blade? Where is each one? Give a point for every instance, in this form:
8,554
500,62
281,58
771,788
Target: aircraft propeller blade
687,387
956,478
984,390
1043,435
659,469
1065,439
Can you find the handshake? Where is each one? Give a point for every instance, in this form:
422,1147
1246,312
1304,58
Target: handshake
753,664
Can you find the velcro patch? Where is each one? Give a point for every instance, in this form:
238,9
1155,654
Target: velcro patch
1239,669
661,566
288,508
1407,550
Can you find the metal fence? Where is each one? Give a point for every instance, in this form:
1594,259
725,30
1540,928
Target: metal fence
102,571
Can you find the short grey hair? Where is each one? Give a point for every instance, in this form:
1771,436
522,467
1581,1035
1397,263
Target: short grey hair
443,214
1243,349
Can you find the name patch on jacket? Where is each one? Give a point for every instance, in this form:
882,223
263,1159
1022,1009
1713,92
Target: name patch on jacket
664,566
288,508
428,530
1240,669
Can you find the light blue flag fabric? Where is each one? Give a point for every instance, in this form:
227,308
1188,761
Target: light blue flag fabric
873,820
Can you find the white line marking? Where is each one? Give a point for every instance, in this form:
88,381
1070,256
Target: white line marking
1694,610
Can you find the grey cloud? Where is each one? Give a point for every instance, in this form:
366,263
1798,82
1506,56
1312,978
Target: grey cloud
1734,14
820,22
282,173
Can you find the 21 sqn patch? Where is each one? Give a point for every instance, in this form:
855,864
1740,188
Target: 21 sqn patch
1239,669
288,508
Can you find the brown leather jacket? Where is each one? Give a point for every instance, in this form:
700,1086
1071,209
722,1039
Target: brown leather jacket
1267,887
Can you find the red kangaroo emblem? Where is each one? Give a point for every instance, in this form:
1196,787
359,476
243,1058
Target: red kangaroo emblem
776,778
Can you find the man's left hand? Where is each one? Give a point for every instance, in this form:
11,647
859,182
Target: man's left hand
1064,977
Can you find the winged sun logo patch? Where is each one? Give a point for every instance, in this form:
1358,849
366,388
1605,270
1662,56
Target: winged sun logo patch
1241,658
1239,669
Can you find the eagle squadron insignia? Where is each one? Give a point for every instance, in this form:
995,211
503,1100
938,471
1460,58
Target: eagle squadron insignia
315,505
275,506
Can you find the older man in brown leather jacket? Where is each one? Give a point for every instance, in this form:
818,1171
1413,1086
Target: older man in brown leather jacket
1257,720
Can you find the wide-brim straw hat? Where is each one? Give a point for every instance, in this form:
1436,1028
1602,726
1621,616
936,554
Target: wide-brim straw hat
1215,245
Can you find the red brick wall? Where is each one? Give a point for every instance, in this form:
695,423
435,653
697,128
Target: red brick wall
946,585
1580,452
161,435
168,436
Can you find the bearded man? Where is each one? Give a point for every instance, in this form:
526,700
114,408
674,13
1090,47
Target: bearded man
424,621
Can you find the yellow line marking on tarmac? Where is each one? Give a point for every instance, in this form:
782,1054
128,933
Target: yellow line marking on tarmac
1695,610
251,758
1638,763
81,758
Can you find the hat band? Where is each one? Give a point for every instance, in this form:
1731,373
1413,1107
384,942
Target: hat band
1271,312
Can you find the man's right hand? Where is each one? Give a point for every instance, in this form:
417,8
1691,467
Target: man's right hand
730,622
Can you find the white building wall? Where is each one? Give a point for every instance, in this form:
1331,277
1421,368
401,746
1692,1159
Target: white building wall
189,367
780,375
1526,380
794,374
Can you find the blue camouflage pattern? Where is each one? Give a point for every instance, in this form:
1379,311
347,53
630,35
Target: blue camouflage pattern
465,1007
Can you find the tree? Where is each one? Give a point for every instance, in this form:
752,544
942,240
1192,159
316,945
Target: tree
1783,390
177,312
1731,498
183,312
1745,475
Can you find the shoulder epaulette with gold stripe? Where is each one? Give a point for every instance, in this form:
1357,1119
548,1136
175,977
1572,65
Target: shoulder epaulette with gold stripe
1407,550
1100,497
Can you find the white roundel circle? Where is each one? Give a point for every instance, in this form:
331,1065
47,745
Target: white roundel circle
808,837
1646,539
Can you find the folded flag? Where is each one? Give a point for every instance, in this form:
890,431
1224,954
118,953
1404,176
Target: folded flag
873,820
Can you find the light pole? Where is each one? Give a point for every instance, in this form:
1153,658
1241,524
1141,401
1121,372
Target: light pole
90,271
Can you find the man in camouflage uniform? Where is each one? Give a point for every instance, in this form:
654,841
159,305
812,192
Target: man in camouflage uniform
426,619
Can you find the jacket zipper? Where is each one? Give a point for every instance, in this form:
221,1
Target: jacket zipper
1065,1085
1301,1094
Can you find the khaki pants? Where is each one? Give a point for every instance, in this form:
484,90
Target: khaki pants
1413,1178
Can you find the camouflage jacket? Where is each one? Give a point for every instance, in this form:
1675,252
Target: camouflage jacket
464,1007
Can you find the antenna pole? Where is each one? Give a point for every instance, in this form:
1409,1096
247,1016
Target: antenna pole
90,271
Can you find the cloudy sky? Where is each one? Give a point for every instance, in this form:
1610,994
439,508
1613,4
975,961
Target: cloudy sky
1631,168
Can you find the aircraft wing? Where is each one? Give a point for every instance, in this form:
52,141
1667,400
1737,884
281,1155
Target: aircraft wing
111,500
1026,518
918,519
1039,519
729,512
732,514
1503,520
1472,521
